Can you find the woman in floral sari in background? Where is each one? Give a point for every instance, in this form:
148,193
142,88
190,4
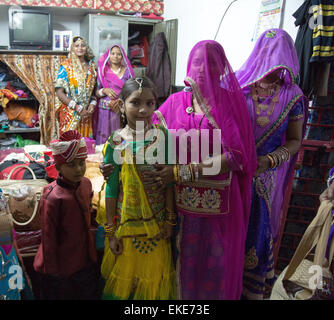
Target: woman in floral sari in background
277,108
74,88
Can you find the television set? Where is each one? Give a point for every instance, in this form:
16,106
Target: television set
30,28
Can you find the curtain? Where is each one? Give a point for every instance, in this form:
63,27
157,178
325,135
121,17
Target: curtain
38,72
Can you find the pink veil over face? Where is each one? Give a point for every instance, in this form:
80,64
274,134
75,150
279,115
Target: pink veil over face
220,97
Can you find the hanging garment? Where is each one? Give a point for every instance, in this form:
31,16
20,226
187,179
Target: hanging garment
323,32
159,65
303,45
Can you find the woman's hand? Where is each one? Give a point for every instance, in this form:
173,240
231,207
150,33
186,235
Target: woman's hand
114,105
91,109
84,113
328,194
160,177
106,169
263,164
116,246
110,93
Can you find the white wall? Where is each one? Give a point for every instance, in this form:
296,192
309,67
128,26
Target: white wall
199,20
4,32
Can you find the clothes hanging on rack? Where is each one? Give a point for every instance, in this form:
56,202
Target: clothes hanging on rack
303,45
159,65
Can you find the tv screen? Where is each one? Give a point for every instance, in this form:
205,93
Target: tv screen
30,28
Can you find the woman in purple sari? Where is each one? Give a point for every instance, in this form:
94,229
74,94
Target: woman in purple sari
213,207
278,109
114,68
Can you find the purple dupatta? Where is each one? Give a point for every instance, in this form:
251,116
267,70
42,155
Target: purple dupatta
274,50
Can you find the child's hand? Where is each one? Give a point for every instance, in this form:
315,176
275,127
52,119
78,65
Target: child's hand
106,169
116,246
159,178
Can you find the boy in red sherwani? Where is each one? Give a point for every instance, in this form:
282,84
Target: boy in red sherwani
66,258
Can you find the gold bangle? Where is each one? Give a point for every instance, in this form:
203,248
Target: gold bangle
271,160
171,218
110,235
171,223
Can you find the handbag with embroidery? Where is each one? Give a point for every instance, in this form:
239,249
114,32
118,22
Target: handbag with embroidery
307,278
23,198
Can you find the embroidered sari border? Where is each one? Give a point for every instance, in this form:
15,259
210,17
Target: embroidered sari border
269,71
161,118
207,211
207,183
200,100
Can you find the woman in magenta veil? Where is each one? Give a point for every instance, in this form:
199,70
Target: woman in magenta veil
278,109
213,207
114,68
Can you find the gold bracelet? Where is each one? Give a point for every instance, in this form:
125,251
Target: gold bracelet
271,160
110,235
171,223
171,216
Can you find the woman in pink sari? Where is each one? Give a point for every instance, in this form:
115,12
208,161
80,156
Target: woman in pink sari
213,207
114,68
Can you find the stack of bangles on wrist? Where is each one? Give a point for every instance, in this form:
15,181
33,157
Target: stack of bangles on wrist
93,102
72,104
278,157
79,108
186,172
110,229
171,218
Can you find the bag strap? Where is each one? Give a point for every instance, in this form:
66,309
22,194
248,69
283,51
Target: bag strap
315,235
22,166
37,199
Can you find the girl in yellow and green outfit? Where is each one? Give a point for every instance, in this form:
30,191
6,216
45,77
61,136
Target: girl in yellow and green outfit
137,262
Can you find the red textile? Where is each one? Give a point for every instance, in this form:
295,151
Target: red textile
67,245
